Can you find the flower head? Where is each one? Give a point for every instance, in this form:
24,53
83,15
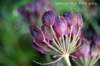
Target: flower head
58,36
88,53
56,32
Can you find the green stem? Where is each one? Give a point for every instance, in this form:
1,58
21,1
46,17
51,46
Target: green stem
67,60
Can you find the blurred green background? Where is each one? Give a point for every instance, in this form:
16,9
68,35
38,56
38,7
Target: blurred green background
15,39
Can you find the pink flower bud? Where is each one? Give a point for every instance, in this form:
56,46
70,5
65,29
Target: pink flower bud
60,27
77,20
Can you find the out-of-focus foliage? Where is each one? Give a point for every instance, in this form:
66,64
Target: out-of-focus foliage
15,39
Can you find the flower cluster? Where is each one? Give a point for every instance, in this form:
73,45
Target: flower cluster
88,53
59,35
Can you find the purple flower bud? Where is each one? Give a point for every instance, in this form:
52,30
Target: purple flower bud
77,20
48,18
68,17
47,33
67,14
60,27
37,34
73,19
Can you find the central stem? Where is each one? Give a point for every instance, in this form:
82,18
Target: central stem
67,60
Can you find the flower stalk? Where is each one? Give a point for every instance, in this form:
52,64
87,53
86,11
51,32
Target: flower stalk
67,60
